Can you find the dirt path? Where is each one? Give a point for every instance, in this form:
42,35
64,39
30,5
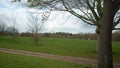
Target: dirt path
91,62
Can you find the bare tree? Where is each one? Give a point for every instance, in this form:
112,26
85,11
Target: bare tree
12,29
36,23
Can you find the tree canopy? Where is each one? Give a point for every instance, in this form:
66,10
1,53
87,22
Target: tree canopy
89,11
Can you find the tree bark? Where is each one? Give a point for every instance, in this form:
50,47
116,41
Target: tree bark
36,38
98,35
104,39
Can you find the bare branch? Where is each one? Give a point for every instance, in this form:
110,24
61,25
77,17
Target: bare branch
84,18
99,8
92,9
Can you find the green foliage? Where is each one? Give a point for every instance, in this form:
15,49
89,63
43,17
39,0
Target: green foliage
16,0
20,61
29,0
32,5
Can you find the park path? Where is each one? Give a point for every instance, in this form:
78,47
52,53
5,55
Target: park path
79,60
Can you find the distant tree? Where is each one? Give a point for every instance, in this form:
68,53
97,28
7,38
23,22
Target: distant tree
116,36
11,31
2,28
3,24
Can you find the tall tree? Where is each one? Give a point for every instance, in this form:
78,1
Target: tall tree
100,13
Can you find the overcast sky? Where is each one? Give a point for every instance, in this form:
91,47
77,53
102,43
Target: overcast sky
57,22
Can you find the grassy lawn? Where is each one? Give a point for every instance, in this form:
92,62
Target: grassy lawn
59,46
19,61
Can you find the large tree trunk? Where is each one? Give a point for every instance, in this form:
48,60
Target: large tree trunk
104,39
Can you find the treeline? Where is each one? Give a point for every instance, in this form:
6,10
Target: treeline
10,31
7,31
116,36
86,36
90,36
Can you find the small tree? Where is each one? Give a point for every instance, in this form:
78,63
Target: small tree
36,24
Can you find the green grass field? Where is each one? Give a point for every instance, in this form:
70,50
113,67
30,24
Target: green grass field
19,61
59,46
